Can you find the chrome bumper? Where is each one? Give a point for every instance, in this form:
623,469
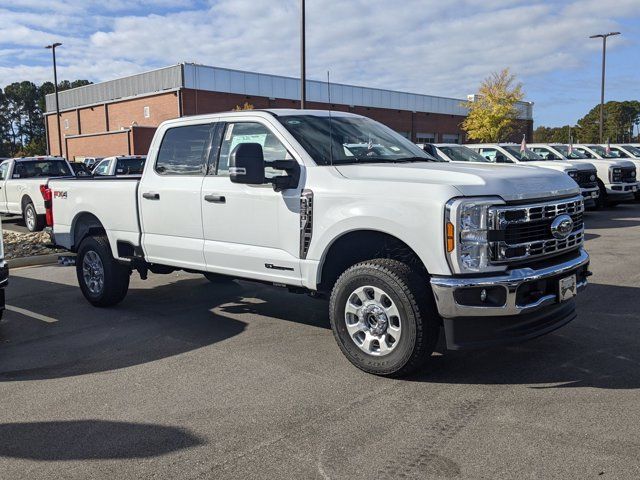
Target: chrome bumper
621,188
590,193
444,289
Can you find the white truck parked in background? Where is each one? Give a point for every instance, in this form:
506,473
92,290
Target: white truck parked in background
510,153
120,165
626,176
20,181
401,243
608,171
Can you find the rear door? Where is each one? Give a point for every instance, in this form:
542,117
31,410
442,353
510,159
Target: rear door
170,196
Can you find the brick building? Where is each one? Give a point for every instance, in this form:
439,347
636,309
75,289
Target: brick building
120,116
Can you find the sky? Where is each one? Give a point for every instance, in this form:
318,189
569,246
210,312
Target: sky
434,47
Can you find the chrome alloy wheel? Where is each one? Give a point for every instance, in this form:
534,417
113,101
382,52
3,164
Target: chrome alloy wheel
372,320
93,272
31,219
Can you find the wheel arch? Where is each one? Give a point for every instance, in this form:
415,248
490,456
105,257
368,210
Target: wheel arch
358,245
83,225
24,201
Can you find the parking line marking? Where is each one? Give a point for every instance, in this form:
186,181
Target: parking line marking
29,313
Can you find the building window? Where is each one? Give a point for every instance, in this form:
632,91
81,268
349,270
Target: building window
66,124
406,134
147,114
450,138
426,138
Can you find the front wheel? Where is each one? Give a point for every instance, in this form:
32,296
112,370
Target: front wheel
32,220
384,318
104,282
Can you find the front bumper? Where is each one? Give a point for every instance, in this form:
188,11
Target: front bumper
622,189
526,299
590,196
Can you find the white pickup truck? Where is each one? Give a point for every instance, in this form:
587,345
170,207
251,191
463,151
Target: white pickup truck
401,243
511,153
609,172
120,165
20,181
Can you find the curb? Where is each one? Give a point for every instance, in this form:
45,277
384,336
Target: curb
34,260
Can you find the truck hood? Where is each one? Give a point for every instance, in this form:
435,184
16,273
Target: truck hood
511,182
560,165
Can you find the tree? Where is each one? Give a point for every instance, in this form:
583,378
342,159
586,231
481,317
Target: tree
493,113
619,119
246,106
562,134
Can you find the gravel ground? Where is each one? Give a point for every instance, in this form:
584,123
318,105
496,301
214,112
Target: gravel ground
17,245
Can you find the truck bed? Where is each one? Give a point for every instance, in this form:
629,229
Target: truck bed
112,200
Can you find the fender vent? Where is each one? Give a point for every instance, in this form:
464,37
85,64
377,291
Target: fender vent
306,221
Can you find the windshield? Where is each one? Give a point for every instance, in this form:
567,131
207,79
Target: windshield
345,140
129,166
41,169
462,154
602,151
564,150
525,156
635,151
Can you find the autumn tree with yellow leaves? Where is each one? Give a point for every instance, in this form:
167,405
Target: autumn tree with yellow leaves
493,113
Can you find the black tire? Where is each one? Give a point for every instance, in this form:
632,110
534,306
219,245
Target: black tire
217,278
32,220
115,275
409,292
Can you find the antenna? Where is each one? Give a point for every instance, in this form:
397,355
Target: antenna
330,120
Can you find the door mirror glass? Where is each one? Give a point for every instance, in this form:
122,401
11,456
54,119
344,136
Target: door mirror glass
246,164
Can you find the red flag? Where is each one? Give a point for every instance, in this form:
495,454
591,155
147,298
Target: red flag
608,147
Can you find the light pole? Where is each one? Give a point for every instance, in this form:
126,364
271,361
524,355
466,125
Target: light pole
55,89
303,59
604,58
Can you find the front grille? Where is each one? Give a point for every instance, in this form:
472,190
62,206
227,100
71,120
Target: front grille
522,232
587,178
628,174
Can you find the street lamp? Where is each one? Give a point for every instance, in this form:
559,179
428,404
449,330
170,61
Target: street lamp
604,57
55,89
303,59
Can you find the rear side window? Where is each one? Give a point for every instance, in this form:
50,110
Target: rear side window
129,166
3,170
41,169
184,150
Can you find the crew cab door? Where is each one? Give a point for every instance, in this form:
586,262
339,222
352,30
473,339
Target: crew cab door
250,230
169,196
4,172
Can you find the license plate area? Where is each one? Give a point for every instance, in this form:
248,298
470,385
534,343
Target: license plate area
567,288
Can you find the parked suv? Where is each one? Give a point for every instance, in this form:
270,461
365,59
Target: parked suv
401,244
605,169
20,180
511,153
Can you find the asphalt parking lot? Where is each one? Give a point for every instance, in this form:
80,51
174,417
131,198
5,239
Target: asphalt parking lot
190,380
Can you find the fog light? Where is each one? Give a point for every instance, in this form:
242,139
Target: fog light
483,295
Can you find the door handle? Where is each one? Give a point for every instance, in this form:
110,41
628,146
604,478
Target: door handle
151,195
215,198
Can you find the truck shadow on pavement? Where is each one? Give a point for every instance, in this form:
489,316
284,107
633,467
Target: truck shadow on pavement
149,325
91,440
627,215
600,349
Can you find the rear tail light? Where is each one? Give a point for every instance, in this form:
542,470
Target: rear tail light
48,204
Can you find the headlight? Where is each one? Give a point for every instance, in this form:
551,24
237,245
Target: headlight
573,174
466,233
615,174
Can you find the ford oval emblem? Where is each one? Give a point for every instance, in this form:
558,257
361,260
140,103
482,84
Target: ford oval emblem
561,227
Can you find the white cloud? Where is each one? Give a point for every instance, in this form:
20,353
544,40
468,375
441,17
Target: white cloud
425,46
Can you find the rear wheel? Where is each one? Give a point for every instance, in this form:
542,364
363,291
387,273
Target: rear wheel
384,318
104,282
32,220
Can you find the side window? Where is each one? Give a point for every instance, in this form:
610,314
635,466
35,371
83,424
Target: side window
587,154
543,152
3,170
489,153
184,150
250,132
102,168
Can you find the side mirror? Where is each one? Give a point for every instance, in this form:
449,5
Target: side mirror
500,158
246,164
